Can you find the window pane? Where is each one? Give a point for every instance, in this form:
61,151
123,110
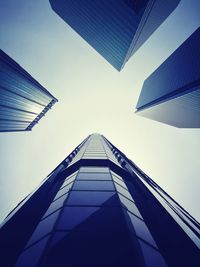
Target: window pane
94,185
152,257
141,229
130,206
63,191
43,228
55,205
68,181
72,216
94,169
58,236
123,191
31,256
119,182
94,176
90,198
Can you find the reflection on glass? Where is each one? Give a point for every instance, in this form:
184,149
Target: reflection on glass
43,228
94,176
141,229
63,191
72,216
89,197
152,257
31,256
94,169
130,206
56,205
93,185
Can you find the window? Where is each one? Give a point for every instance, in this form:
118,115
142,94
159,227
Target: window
123,191
55,205
94,176
94,185
130,206
31,256
152,257
141,229
72,216
68,181
91,198
43,228
94,169
63,191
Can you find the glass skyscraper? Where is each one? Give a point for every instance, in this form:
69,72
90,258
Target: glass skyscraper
97,208
23,101
114,28
171,94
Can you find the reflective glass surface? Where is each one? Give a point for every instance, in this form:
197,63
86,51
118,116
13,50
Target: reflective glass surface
31,256
130,206
93,185
141,229
94,176
94,169
68,181
63,191
72,216
123,191
43,228
57,204
152,257
90,198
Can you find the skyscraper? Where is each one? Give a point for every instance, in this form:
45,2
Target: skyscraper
23,101
97,208
114,28
171,94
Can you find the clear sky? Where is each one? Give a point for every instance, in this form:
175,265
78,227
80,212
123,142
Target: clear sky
93,97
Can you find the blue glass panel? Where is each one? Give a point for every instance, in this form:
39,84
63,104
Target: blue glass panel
130,206
58,236
31,256
94,169
63,191
72,216
68,181
123,191
56,205
94,176
43,228
119,181
141,229
152,257
94,185
90,198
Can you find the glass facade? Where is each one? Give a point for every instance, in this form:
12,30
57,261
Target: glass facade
23,101
113,28
97,213
171,94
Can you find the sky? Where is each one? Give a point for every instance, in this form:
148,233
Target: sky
93,98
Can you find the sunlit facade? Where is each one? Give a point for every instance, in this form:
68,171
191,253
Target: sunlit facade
23,101
171,94
97,208
114,28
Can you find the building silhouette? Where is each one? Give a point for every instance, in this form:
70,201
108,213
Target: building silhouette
114,28
171,94
23,101
97,208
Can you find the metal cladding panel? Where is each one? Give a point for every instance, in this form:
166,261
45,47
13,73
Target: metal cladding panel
23,101
182,111
180,72
108,26
155,14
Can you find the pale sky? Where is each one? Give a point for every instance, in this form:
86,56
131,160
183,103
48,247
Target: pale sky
93,97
